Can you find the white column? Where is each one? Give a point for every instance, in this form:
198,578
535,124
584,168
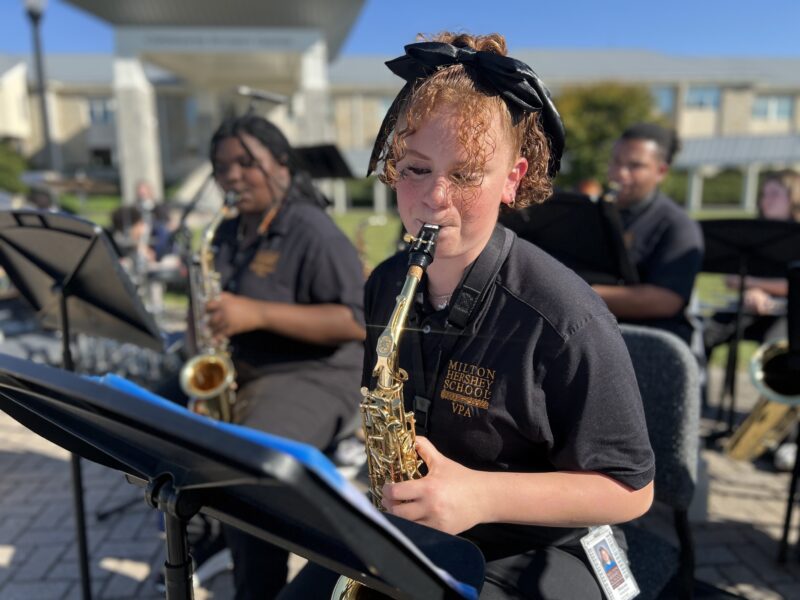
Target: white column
312,99
138,151
695,192
357,121
750,187
339,196
209,117
380,197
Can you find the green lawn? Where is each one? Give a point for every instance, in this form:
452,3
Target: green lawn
723,212
97,209
375,238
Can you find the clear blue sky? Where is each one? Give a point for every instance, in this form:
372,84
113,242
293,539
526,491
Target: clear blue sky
687,27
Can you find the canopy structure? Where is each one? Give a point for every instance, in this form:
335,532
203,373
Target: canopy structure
214,48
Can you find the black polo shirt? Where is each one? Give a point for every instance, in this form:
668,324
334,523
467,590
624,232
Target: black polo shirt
303,258
541,380
667,248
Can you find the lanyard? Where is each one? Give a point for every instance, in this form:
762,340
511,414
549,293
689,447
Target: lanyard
241,260
466,300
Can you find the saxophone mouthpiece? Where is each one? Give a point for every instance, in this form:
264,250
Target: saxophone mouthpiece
611,193
423,246
230,199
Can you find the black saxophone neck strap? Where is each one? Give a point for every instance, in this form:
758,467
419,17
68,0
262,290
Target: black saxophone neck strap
475,285
464,305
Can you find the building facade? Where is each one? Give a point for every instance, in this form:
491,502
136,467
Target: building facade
740,113
731,113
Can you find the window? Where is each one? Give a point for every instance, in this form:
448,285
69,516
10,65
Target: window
702,97
664,99
101,111
100,157
773,108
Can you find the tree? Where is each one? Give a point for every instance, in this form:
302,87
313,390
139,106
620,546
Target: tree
594,117
12,165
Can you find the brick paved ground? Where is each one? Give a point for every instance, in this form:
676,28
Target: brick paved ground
736,540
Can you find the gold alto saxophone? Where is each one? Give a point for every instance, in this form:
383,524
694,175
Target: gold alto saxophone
775,373
208,378
388,429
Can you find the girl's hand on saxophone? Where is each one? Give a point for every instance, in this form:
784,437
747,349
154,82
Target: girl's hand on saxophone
448,498
231,314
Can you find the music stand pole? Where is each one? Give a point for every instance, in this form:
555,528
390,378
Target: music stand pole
729,385
75,460
177,510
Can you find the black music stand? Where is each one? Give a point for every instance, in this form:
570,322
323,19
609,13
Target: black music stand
323,161
584,234
282,491
68,270
744,247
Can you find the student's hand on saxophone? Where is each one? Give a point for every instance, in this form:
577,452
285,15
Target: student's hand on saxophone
448,498
230,314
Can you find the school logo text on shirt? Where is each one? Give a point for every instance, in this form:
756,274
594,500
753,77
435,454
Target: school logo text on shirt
264,262
468,387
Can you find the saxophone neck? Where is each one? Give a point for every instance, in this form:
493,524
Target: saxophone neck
210,232
420,256
386,365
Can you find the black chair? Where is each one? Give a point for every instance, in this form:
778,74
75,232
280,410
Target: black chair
667,374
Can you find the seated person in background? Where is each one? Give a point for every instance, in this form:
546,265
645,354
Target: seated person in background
547,437
664,244
292,308
129,231
41,198
779,200
156,216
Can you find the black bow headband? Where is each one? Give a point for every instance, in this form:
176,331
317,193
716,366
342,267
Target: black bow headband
515,81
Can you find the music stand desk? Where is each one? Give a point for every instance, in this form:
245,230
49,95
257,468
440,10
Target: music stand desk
68,269
282,491
757,247
584,234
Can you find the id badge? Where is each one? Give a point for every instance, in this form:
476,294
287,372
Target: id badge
609,564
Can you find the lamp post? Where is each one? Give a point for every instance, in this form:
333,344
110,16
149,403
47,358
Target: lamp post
35,9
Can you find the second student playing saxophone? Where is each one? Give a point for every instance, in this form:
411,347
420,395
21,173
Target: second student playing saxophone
291,304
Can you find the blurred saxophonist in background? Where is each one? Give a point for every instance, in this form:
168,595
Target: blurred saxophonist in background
291,305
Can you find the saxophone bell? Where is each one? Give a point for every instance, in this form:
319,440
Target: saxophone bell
208,379
775,373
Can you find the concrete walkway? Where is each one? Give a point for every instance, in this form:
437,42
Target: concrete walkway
736,535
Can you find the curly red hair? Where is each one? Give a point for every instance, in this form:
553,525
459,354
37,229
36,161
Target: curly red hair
457,89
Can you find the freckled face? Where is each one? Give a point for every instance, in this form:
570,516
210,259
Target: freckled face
435,188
